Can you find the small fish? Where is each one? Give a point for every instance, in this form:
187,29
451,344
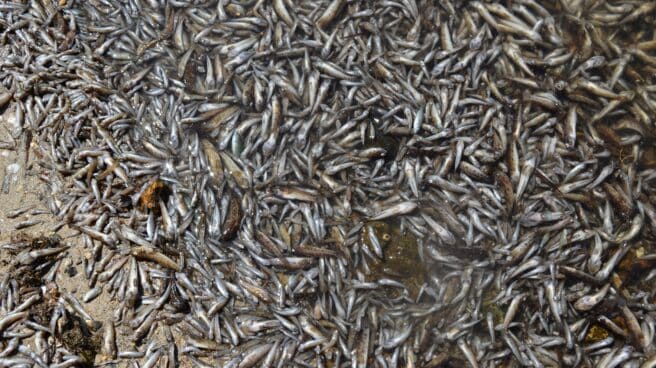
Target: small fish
399,209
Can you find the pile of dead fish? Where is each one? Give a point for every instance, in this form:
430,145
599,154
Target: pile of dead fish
396,183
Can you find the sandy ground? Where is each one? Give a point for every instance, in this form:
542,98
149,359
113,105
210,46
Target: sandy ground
20,188
23,189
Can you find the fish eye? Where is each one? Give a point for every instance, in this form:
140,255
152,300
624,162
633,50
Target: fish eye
386,237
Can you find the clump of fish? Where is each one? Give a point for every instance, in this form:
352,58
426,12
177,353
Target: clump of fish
246,174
